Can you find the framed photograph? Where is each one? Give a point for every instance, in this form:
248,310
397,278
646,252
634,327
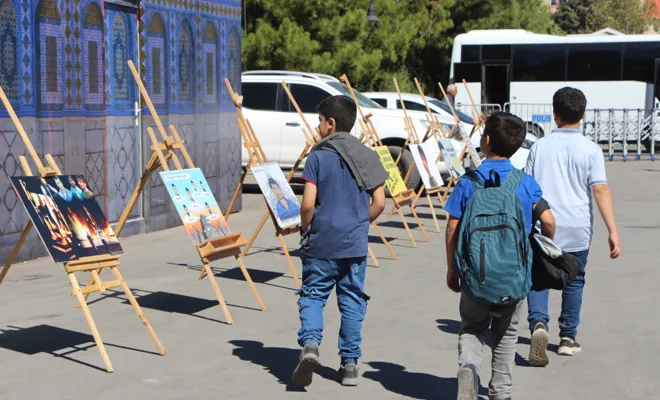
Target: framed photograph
67,217
451,159
466,137
425,155
195,204
394,183
278,193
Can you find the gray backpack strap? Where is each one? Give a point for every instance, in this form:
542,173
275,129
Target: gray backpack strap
514,179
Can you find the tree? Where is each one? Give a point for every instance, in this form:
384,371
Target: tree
587,16
578,16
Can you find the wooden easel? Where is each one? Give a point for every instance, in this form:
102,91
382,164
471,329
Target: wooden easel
92,264
478,116
467,148
315,136
370,138
413,138
161,152
257,156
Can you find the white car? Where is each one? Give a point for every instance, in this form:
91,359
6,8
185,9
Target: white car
415,102
278,125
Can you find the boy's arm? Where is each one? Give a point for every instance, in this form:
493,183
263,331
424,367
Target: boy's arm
603,198
377,203
542,213
450,244
307,206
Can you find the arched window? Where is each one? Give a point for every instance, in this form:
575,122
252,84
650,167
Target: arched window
234,60
156,81
185,61
210,56
8,49
49,28
120,57
93,45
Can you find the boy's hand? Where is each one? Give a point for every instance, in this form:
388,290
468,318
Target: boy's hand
615,245
453,280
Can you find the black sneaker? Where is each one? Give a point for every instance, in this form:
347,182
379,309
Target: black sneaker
538,351
309,360
568,347
468,383
349,374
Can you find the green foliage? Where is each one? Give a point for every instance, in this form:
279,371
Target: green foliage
586,16
412,39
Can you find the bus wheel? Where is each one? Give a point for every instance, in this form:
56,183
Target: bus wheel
535,130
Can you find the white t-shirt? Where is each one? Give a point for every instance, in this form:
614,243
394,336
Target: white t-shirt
566,164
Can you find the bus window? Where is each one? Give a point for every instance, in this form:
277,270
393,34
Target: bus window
639,61
500,52
534,63
594,62
471,72
470,53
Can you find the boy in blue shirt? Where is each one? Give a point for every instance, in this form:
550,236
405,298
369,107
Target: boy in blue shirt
343,194
503,135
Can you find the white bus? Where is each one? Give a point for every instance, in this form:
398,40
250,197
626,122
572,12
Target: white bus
521,68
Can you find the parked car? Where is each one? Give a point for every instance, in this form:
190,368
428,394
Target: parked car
415,102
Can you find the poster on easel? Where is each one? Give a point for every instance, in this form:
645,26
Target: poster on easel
68,219
278,193
428,170
394,183
195,204
466,137
451,158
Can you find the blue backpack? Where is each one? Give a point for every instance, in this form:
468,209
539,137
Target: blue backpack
493,252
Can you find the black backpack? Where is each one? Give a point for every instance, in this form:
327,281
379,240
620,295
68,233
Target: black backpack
552,268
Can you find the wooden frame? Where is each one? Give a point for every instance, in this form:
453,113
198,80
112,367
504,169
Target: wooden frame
467,148
370,138
93,264
161,153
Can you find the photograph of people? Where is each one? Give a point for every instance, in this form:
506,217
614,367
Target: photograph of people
284,207
63,192
425,164
82,184
451,159
75,190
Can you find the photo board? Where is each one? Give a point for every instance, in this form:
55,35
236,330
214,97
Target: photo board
466,137
67,217
394,183
425,155
278,193
195,204
451,158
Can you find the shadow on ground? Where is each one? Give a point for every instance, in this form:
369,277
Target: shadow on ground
415,385
277,361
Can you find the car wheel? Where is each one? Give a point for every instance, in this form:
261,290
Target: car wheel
404,164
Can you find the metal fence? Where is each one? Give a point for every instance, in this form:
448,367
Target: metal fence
621,132
486,109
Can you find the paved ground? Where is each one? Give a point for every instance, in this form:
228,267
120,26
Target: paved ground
46,351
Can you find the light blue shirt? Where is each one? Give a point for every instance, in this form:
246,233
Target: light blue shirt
567,164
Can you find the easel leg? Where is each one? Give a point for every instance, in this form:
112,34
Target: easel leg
256,233
419,223
288,259
435,219
137,309
90,322
218,294
373,257
14,252
385,242
233,199
246,275
405,224
419,194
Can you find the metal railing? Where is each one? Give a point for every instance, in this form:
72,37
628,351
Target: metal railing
486,109
617,130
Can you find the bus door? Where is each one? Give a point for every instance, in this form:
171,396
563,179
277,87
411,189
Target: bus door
495,84
656,91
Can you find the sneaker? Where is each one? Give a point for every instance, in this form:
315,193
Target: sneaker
468,383
309,360
568,347
349,374
538,352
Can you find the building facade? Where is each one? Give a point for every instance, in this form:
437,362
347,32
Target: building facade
64,69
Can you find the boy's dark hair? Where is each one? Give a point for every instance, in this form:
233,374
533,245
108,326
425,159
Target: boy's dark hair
507,133
569,104
342,109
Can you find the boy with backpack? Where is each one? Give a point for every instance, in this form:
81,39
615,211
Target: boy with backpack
343,194
489,258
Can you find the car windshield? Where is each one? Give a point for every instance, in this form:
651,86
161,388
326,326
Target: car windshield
461,115
362,99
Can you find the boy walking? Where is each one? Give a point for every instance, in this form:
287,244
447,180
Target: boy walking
570,168
489,257
343,194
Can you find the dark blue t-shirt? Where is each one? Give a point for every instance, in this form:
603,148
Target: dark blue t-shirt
529,192
340,225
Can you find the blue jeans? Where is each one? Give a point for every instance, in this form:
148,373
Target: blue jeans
319,278
571,303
